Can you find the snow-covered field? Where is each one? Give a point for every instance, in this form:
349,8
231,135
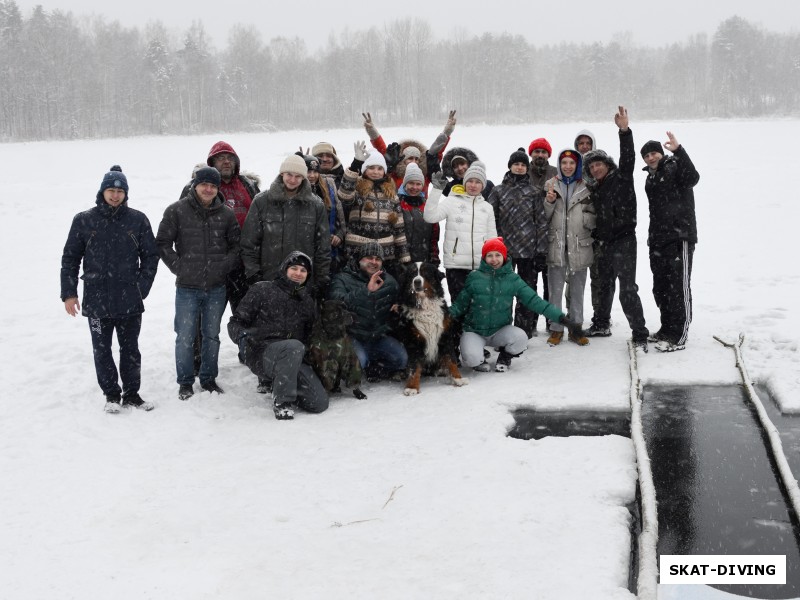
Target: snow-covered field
392,497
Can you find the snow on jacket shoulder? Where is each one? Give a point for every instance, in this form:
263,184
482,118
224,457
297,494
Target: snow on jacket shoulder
671,200
519,211
469,223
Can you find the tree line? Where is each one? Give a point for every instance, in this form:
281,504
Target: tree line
66,77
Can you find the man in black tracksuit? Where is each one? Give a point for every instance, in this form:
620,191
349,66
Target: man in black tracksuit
614,199
672,236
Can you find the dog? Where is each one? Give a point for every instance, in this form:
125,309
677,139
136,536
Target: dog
331,352
425,327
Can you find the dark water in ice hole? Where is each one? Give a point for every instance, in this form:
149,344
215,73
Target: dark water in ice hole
718,491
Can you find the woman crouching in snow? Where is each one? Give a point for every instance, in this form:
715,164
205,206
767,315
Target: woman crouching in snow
485,305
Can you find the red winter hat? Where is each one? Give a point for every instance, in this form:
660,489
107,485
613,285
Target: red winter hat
540,144
494,245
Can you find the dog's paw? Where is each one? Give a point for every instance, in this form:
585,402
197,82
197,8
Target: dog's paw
410,392
359,394
460,382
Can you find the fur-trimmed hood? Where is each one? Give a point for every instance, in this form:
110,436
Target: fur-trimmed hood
364,187
447,168
277,193
400,169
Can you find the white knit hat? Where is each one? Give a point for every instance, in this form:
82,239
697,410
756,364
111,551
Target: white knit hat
375,158
413,173
410,151
476,170
294,164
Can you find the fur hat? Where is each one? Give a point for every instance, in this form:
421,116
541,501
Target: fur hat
323,148
207,175
476,170
375,158
371,248
114,179
494,245
411,151
519,156
294,164
413,173
540,144
652,146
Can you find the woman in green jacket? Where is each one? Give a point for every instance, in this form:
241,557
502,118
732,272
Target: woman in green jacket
485,305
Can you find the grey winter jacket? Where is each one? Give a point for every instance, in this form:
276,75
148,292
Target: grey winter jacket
276,225
199,245
569,226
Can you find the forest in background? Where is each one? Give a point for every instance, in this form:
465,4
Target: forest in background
67,77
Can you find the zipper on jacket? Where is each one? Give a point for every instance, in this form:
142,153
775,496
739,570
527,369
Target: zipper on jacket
472,235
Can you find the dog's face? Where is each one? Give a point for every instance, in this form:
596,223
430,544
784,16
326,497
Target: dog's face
335,318
421,280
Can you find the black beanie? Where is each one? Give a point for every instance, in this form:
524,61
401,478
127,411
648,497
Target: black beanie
652,146
296,258
519,156
207,175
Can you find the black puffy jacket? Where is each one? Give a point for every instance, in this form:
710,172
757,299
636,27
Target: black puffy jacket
671,199
120,259
200,245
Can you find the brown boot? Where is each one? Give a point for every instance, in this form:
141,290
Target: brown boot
555,338
581,341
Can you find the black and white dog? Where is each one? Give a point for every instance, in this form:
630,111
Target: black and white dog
425,327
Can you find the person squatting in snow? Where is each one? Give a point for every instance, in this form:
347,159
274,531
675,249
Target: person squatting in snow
115,243
272,327
484,307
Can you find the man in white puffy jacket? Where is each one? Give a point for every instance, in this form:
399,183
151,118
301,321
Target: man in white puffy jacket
470,222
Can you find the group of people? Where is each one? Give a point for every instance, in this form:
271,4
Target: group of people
322,231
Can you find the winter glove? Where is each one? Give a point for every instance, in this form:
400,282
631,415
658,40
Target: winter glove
451,124
432,163
392,156
575,329
372,131
439,180
540,262
360,151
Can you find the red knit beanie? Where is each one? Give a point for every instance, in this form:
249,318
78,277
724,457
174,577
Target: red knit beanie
494,245
540,144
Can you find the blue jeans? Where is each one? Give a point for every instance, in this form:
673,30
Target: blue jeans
385,352
208,306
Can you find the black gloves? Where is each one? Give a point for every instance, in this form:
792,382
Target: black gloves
392,156
575,329
432,163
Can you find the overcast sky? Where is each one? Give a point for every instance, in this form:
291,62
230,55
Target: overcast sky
542,22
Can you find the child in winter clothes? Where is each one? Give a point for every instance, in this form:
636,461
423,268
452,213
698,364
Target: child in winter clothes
470,222
519,211
272,326
422,237
570,221
374,208
485,306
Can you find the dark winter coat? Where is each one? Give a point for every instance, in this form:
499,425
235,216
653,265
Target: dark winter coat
371,310
199,245
519,214
671,199
614,198
374,215
277,224
272,311
486,301
120,259
539,177
422,237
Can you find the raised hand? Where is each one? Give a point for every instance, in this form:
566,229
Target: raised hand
372,131
360,151
438,180
450,125
672,144
621,118
551,192
306,153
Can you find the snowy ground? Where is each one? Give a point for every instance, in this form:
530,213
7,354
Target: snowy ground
392,497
